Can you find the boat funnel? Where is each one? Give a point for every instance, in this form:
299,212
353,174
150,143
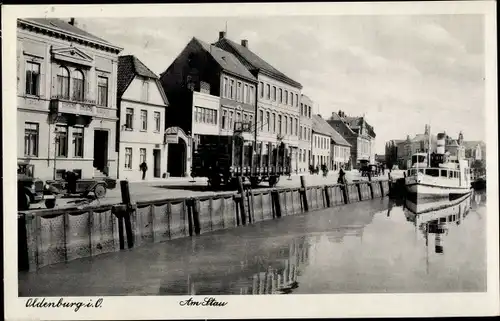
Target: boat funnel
441,137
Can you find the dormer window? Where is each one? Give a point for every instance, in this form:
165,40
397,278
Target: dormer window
145,90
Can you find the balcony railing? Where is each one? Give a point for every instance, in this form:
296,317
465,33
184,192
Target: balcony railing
64,105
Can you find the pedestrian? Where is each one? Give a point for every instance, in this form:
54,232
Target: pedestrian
144,168
341,179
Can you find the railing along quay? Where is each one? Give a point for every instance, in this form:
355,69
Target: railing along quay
53,236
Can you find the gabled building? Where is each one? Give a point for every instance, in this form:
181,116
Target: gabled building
320,146
358,133
210,93
278,99
339,148
141,127
305,133
66,99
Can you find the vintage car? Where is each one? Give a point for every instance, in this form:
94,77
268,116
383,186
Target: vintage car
31,190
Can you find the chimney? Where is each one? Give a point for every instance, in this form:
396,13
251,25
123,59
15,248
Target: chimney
244,43
72,21
222,34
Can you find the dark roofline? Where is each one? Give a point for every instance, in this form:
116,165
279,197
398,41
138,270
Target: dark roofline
282,78
74,35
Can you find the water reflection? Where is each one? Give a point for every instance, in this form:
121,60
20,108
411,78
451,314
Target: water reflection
276,272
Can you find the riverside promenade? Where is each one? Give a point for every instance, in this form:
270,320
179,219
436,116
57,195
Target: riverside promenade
371,246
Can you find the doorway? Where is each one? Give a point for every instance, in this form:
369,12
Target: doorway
101,151
176,163
156,163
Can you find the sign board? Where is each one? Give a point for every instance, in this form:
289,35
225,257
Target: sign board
171,138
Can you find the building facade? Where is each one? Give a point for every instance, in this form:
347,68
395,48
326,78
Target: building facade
141,127
305,133
278,100
339,149
210,93
358,133
321,142
66,99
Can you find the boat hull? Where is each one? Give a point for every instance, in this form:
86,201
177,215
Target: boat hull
423,191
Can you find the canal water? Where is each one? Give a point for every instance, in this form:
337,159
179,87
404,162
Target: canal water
373,246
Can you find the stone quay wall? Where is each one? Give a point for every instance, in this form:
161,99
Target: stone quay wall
53,236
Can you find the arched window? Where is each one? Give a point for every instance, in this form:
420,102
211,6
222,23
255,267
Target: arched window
63,83
78,80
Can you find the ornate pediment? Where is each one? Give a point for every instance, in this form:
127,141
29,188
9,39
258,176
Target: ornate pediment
72,54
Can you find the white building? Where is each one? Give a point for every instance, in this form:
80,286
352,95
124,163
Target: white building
321,142
305,134
66,103
142,106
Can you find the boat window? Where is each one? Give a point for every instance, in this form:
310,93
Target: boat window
444,173
432,172
450,174
421,170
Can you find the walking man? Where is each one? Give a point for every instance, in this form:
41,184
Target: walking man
144,168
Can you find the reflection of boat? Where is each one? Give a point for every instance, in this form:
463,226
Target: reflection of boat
437,217
437,175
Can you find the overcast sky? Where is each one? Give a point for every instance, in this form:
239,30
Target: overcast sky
400,71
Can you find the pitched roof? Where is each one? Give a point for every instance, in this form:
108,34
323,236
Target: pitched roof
226,60
354,123
130,66
65,26
253,62
321,126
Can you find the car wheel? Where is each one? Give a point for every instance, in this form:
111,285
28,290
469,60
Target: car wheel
50,203
100,191
23,203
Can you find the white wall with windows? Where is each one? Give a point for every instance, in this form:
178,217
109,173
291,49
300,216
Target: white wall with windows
206,115
364,149
340,155
142,128
320,147
52,69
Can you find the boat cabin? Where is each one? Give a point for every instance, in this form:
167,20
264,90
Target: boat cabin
419,160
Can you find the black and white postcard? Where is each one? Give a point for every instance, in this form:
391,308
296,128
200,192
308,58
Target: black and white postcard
250,160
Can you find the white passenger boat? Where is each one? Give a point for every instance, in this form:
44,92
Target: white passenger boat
446,180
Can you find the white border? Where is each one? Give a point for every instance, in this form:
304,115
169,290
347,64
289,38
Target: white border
353,305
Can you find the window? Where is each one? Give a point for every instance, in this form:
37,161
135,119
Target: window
238,92
129,118
231,89
268,91
30,139
78,141
224,117
301,109
250,121
63,83
279,124
102,91
274,123
246,98
280,95
145,90
296,100
128,157
286,125
268,121
142,155
252,94
286,97
157,120
245,118
274,93
238,117
231,124
296,126
78,89
61,141
291,99
300,133
144,120
309,111
32,78
261,119
261,84
224,87
291,126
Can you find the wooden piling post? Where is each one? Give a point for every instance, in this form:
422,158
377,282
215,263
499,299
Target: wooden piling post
303,191
327,196
129,208
242,201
